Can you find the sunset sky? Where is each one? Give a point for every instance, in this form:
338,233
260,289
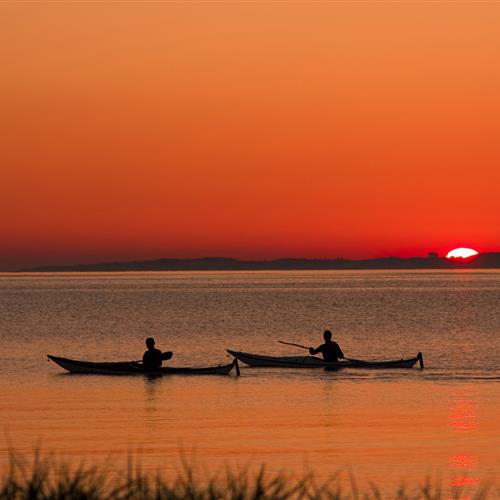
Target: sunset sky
250,130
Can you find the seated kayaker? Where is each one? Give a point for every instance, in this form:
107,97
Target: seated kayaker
152,358
330,350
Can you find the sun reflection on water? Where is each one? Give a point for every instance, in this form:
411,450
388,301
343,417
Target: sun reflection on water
462,420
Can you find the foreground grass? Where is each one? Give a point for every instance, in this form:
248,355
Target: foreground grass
48,479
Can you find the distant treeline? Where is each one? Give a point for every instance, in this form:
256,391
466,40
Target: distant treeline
482,261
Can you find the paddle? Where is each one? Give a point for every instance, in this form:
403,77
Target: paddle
164,355
304,347
296,345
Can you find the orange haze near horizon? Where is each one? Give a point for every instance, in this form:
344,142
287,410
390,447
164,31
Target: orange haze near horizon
251,130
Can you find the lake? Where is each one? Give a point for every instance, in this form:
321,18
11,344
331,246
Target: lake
385,426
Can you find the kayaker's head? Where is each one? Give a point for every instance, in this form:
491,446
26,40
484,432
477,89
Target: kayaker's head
327,335
150,343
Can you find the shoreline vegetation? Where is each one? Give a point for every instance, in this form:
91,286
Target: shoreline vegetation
432,261
49,478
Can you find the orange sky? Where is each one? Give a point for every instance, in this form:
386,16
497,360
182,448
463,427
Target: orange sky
252,130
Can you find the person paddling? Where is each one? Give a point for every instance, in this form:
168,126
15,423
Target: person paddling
152,358
330,350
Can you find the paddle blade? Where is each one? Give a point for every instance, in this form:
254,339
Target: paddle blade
166,355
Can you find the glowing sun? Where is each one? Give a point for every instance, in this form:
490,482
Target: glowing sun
461,253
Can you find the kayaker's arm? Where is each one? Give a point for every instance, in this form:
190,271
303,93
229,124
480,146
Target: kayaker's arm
314,351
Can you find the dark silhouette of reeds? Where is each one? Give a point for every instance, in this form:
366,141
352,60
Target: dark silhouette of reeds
46,478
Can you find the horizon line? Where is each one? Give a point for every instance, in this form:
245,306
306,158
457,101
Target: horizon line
431,257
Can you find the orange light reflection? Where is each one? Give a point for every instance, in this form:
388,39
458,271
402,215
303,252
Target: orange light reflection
463,419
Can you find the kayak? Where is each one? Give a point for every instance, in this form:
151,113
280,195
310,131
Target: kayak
313,362
133,368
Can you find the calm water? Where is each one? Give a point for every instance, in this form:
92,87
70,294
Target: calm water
385,426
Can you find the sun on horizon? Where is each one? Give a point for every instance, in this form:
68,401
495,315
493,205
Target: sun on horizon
461,253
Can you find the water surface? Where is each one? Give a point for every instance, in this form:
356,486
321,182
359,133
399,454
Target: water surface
385,426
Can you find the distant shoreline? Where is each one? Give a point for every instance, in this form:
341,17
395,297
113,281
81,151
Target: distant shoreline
483,261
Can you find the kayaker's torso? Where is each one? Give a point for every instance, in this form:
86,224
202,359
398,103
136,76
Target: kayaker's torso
152,359
330,351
